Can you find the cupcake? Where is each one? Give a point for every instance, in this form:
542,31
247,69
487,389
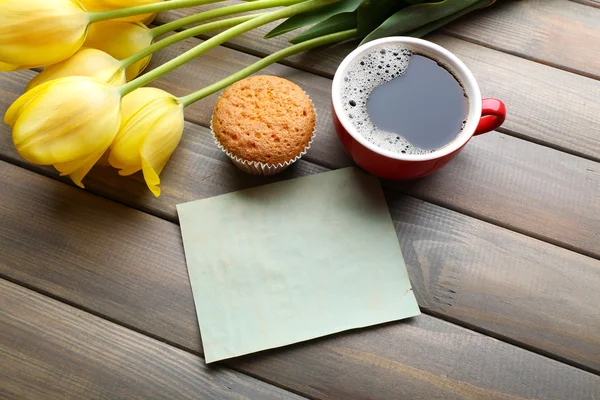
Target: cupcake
264,124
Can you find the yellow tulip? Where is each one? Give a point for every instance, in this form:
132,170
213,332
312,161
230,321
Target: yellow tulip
105,5
40,32
5,67
86,62
68,123
152,125
149,19
121,40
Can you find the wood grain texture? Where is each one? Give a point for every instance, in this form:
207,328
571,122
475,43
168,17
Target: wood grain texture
452,261
532,189
495,155
593,3
553,32
518,281
49,350
550,106
423,358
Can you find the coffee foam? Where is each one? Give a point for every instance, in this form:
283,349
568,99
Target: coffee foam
380,65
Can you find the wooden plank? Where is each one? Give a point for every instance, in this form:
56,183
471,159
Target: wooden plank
540,99
553,32
494,153
450,257
517,281
593,3
517,184
549,106
413,359
49,350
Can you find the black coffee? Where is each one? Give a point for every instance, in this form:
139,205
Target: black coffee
404,102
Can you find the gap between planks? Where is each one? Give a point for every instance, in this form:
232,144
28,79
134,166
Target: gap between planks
443,201
316,71
509,132
81,195
307,69
508,27
122,350
521,55
426,311
591,3
550,145
47,173
448,30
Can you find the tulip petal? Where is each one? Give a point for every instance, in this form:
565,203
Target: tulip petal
88,62
125,149
68,119
15,110
34,32
139,98
149,19
103,5
78,169
6,67
121,40
161,142
126,171
137,68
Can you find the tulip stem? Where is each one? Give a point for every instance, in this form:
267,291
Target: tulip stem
145,9
188,33
221,38
265,62
218,12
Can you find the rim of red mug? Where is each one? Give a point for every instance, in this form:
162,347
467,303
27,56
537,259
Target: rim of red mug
436,52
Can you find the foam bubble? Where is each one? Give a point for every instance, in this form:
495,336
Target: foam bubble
382,64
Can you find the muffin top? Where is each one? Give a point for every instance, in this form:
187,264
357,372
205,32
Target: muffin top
264,118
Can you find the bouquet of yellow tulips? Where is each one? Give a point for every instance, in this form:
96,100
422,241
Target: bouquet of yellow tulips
89,104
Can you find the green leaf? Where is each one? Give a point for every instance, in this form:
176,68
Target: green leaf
336,23
371,13
421,1
432,26
416,16
313,16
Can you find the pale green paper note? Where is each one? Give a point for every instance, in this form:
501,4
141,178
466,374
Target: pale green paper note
292,261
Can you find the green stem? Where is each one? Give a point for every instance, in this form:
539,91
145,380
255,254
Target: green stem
273,58
145,9
219,12
188,33
221,38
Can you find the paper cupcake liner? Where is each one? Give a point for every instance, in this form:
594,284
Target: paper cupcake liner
260,168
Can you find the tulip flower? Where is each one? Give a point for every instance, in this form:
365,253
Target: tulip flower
152,125
105,5
121,40
127,39
5,67
36,33
68,123
86,62
71,122
105,67
149,19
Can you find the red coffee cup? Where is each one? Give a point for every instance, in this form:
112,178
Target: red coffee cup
483,116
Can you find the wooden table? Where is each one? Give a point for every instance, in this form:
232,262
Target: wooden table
502,246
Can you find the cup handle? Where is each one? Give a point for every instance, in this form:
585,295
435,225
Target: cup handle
493,114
